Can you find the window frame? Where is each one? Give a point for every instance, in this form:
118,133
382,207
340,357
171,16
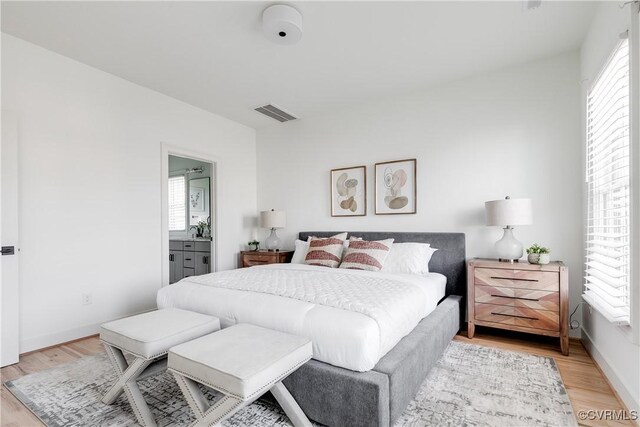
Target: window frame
185,200
632,244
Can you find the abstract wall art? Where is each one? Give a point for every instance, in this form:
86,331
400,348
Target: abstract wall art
196,199
349,191
396,187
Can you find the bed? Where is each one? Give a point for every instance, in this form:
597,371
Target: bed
375,335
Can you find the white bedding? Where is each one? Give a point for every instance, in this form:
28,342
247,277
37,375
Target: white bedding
353,317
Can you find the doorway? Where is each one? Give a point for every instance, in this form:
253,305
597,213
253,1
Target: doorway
189,216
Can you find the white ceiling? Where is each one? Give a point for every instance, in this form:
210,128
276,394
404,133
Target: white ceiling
213,55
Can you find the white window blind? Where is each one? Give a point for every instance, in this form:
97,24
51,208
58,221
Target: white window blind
607,270
177,203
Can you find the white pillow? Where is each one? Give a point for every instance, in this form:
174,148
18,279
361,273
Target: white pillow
408,258
300,253
302,247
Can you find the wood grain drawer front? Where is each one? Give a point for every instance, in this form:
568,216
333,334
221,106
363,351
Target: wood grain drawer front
515,297
518,316
251,260
522,279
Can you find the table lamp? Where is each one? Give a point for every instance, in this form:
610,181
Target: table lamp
507,213
273,219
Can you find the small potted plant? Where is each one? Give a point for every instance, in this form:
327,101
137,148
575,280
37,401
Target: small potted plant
538,254
255,244
200,228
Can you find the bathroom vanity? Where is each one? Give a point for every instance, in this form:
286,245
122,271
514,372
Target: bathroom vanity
188,257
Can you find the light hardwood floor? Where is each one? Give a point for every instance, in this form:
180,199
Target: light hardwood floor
584,382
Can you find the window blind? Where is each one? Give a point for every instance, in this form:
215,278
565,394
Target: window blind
177,203
607,264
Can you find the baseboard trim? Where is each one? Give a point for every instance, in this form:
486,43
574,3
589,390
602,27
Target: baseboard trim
58,345
45,341
611,375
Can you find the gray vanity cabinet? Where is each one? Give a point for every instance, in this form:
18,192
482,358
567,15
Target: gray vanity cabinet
188,258
175,266
202,263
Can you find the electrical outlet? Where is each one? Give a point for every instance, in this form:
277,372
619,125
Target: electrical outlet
87,299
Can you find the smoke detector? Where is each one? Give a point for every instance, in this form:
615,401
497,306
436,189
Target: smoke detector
282,24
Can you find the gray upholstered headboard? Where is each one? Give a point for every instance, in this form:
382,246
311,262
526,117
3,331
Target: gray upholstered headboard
449,259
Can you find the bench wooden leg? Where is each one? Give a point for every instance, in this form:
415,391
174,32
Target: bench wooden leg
290,406
126,382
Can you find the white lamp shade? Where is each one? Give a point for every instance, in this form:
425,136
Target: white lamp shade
273,219
509,212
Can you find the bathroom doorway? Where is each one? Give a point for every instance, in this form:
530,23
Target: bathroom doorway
189,216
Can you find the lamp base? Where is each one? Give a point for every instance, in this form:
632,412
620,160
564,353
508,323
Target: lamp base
273,241
508,249
511,261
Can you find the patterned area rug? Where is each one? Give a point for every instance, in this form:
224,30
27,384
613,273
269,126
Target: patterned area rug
471,385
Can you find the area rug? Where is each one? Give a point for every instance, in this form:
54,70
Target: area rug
471,385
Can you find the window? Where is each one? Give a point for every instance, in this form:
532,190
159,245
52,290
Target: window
177,203
608,234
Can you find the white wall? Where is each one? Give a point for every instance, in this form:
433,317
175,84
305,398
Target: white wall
90,188
512,132
611,346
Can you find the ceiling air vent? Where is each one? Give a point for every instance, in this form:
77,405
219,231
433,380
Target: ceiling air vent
275,113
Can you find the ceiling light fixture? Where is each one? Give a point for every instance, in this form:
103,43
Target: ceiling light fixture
282,24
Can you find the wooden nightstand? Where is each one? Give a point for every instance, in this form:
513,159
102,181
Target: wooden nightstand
519,297
251,258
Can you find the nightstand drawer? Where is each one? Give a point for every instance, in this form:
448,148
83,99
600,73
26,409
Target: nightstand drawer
518,316
515,297
522,279
257,259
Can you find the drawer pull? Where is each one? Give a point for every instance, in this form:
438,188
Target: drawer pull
515,315
526,299
515,278
187,259
258,261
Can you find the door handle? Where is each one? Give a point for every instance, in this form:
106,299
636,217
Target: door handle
8,250
205,260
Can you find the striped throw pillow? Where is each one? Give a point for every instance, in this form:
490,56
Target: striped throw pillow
324,252
365,255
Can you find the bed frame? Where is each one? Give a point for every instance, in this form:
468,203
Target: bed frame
339,397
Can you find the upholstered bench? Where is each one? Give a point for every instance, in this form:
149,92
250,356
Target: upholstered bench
148,337
242,362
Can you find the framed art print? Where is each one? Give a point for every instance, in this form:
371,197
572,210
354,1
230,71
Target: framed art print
349,191
396,187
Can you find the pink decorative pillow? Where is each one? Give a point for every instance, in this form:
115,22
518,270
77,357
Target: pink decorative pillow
365,255
324,252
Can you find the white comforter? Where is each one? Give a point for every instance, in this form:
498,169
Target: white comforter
353,317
